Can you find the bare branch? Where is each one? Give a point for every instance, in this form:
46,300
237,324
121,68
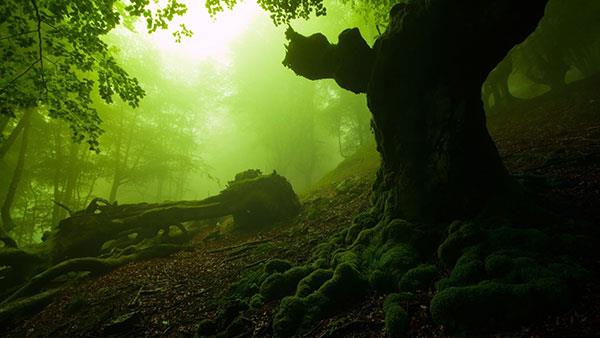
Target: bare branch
19,34
40,42
18,77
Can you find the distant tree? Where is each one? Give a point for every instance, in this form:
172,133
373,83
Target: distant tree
567,38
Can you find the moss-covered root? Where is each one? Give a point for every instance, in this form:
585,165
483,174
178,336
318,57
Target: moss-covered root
396,318
502,277
419,278
345,285
494,303
24,306
91,264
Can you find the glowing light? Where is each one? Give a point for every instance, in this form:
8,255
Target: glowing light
212,37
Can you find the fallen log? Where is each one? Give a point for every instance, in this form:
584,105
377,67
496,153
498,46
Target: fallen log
252,199
131,232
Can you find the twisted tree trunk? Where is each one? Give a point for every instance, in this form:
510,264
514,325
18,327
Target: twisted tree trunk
423,82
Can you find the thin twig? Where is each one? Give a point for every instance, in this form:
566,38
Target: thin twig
18,76
64,207
255,263
52,62
134,300
44,22
40,43
19,34
252,243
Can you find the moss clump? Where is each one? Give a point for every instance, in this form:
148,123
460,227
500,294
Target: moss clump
419,278
463,236
396,318
346,285
277,265
366,220
312,282
296,312
468,270
279,285
498,265
494,303
289,316
381,281
247,284
523,242
388,263
257,301
207,327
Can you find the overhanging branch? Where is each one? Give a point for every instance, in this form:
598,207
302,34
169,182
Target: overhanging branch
349,62
40,42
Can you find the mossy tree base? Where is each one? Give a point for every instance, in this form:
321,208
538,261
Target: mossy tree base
505,262
498,276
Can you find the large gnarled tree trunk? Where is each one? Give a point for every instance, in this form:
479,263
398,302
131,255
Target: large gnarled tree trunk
423,81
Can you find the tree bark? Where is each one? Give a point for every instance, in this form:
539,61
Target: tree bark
424,90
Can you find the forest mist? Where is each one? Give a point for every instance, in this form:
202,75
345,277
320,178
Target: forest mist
217,103
266,168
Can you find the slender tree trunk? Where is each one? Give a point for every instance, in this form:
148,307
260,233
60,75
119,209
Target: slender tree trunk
121,160
6,145
3,123
57,179
114,188
7,221
71,179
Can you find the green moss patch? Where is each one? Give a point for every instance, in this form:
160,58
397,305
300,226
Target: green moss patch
419,278
396,318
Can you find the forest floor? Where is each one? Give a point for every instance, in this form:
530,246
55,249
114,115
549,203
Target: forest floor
554,138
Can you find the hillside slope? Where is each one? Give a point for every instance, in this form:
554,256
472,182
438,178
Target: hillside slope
552,144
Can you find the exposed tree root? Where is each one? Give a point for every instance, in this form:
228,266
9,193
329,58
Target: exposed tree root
26,305
243,246
93,265
8,242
